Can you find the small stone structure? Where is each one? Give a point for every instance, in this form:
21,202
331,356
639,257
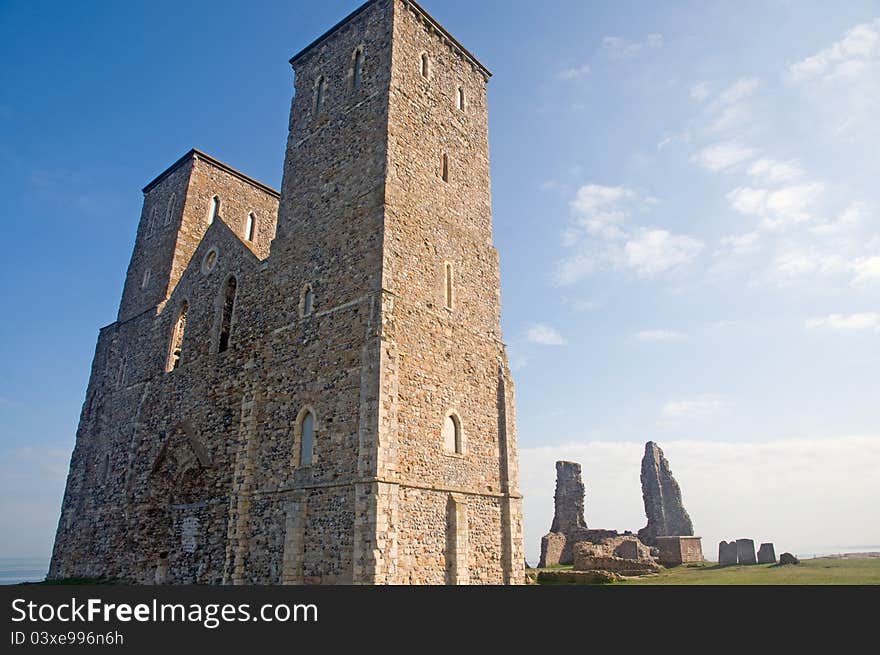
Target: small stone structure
745,551
675,550
569,526
727,553
766,554
662,496
624,555
788,558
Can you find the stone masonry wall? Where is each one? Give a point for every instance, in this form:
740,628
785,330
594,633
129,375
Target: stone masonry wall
193,474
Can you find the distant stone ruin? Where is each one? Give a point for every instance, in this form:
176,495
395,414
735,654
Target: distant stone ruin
766,554
745,551
727,553
569,526
662,496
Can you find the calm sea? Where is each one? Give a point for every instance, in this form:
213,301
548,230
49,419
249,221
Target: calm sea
23,569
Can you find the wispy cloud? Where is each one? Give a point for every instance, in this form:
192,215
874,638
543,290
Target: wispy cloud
694,408
723,156
621,49
574,72
544,335
778,208
771,171
858,50
655,251
660,335
847,322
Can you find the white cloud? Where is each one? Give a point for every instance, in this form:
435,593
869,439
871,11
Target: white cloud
693,408
739,245
864,321
771,171
859,48
591,197
545,335
806,495
777,208
722,156
850,218
574,72
738,91
660,335
866,271
654,251
621,49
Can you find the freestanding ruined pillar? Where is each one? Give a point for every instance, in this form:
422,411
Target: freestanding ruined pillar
662,496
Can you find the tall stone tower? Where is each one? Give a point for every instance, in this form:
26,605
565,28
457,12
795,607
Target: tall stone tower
337,408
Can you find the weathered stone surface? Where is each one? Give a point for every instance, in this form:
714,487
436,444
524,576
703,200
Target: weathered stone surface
727,553
766,554
662,497
589,557
569,526
289,428
788,558
577,577
679,550
745,551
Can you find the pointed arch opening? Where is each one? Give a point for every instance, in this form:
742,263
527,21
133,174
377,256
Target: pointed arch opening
304,438
229,293
453,441
250,227
320,92
460,101
357,71
425,65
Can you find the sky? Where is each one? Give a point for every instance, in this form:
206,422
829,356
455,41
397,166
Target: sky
685,203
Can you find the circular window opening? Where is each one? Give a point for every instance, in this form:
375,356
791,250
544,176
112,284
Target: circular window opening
210,261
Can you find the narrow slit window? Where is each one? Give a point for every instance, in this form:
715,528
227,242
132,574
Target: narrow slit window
449,283
444,167
250,226
169,211
226,318
307,436
425,65
452,441
214,210
320,90
177,339
120,380
307,303
461,98
151,223
145,282
358,71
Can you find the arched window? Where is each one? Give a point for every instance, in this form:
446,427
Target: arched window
250,227
452,440
358,68
169,211
145,282
177,338
444,167
307,438
448,285
307,301
320,90
105,469
151,223
214,209
226,318
461,98
425,65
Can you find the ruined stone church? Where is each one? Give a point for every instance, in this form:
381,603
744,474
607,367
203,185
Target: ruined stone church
310,387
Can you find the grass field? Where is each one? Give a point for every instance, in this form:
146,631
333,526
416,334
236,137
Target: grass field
819,571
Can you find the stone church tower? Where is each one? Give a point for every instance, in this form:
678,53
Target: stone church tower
322,398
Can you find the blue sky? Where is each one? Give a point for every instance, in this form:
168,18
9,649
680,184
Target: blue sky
685,203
